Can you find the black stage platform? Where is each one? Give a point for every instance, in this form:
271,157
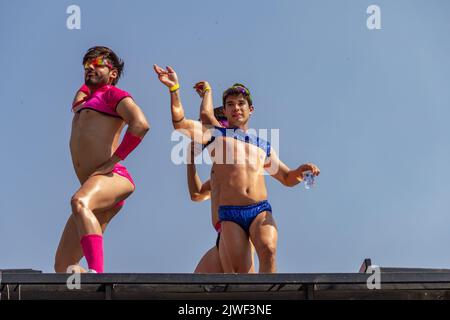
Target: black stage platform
396,283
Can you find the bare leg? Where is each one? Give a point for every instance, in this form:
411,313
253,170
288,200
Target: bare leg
100,192
224,258
252,268
226,264
210,262
235,247
264,235
69,252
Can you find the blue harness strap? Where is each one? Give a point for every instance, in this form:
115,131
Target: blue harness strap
240,135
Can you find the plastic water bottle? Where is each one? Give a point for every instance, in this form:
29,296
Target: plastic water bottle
309,179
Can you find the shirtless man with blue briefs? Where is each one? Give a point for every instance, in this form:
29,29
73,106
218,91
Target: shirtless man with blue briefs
198,191
242,197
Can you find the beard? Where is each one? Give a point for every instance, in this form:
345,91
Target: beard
95,81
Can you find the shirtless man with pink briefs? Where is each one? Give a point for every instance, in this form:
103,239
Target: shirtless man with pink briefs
101,111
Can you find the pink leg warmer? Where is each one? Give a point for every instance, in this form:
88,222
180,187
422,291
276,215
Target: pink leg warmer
92,245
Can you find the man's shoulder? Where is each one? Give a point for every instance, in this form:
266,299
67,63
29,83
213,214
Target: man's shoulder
114,95
115,90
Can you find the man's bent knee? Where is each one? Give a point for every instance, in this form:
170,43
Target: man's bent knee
79,204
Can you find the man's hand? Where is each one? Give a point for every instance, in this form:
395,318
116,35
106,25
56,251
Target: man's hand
202,87
107,167
167,77
308,167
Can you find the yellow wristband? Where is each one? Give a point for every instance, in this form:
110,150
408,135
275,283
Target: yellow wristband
206,89
174,88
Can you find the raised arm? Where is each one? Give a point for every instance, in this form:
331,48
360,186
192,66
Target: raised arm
277,169
207,116
193,129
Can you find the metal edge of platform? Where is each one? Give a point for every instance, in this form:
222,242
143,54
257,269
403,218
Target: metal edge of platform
188,278
289,286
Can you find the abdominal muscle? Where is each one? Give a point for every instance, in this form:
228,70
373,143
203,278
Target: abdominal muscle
237,185
239,182
93,140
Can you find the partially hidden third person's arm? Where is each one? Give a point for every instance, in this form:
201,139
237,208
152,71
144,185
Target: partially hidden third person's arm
197,190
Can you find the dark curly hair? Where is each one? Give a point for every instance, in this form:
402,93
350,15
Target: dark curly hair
106,53
237,89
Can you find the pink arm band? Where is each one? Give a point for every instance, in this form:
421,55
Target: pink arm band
128,144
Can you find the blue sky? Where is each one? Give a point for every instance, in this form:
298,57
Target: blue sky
369,107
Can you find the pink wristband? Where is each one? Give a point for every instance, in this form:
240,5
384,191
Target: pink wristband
128,144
